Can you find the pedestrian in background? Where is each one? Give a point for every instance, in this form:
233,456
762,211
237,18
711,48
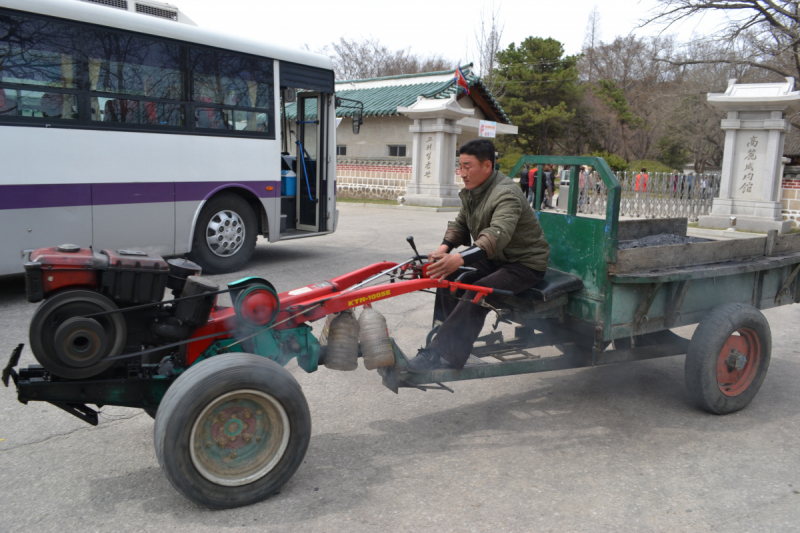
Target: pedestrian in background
641,181
523,180
547,178
532,185
582,177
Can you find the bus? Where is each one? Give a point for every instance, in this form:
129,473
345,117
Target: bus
123,125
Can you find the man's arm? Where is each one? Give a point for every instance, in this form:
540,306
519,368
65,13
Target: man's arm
456,235
504,222
457,232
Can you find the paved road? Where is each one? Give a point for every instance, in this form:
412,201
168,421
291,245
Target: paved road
614,448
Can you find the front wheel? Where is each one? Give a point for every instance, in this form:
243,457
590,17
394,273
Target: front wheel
728,358
232,430
225,234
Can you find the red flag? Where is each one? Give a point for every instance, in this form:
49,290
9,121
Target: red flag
461,80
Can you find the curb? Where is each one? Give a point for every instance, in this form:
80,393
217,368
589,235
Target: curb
721,233
404,207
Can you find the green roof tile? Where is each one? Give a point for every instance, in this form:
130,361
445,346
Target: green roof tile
384,101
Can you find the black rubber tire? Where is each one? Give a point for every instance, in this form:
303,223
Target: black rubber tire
704,350
68,304
198,388
203,255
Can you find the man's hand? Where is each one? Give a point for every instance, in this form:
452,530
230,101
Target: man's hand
446,265
440,252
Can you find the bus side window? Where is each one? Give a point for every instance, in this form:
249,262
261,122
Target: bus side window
243,85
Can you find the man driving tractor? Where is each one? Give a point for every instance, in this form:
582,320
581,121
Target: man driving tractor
506,247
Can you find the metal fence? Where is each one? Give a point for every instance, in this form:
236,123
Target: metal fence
652,195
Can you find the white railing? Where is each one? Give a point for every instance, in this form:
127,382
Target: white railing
660,195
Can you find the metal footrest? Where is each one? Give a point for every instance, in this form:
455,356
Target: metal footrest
473,361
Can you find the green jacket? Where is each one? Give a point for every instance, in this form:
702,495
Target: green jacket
498,218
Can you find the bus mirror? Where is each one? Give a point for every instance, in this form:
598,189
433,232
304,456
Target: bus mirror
357,120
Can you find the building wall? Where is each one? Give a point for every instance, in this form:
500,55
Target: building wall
375,178
790,198
367,171
377,133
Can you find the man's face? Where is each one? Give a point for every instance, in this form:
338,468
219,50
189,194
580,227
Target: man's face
474,172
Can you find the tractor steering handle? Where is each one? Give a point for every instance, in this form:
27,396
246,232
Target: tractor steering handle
466,270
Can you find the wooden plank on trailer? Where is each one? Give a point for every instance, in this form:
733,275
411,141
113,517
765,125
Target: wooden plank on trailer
630,230
786,244
690,254
712,270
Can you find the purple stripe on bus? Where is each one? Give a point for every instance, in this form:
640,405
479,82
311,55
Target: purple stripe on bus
56,195
79,194
201,190
132,193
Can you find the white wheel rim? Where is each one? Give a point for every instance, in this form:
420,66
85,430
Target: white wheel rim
239,437
225,233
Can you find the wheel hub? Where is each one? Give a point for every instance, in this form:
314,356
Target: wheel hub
736,360
225,233
239,437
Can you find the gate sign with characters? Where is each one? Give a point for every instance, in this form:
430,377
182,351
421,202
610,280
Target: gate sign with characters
752,163
487,128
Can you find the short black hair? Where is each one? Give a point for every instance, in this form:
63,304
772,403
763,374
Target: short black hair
482,149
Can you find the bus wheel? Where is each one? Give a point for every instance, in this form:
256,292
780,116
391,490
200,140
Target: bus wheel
728,358
232,430
225,234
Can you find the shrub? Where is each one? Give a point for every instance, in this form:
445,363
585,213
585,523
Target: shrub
614,161
650,165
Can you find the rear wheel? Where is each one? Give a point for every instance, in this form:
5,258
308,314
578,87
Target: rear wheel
232,430
728,358
225,234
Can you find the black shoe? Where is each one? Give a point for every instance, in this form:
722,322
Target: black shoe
426,360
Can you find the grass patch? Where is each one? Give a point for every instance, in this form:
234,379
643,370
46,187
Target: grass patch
366,201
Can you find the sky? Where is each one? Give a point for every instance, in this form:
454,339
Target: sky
427,26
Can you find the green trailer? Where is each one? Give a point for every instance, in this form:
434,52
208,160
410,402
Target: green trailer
600,304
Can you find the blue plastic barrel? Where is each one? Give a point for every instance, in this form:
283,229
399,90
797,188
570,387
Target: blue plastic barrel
288,183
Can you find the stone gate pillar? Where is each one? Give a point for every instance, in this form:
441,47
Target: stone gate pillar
433,158
755,131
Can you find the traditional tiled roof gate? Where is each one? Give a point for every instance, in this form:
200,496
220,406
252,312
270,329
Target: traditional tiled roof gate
384,100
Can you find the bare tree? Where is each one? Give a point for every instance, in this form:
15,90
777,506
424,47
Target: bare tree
488,34
656,105
591,40
369,58
764,33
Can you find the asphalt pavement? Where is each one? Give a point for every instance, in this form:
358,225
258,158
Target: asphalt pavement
615,448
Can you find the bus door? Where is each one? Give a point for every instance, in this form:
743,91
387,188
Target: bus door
311,156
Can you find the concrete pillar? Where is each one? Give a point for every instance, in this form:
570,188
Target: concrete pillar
433,158
752,164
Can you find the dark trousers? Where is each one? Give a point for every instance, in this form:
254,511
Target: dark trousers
462,321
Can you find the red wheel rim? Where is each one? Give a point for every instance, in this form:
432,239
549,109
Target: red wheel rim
738,362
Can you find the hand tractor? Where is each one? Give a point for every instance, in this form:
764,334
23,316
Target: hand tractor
232,425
